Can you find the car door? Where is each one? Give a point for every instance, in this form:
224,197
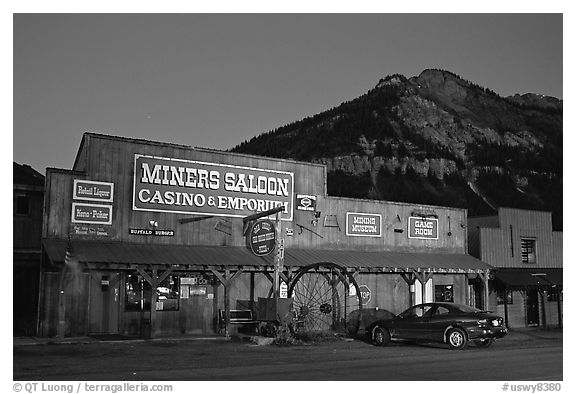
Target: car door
437,320
413,323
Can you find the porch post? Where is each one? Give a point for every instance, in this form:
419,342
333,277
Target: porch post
486,290
559,302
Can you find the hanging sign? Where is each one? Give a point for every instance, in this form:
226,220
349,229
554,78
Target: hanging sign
261,239
199,188
363,224
422,228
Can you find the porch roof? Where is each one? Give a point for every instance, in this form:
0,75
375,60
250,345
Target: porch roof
131,254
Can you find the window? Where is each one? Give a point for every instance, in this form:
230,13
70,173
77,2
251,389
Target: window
500,297
167,294
138,292
528,247
444,293
22,205
416,311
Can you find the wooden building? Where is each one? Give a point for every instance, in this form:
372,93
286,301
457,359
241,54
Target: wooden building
28,194
527,256
149,238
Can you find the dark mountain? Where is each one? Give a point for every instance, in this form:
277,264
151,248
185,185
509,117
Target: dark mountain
433,139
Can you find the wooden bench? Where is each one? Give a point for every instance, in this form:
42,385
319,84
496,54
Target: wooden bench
237,316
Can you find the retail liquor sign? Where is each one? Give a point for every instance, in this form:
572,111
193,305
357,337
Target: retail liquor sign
422,228
200,188
363,224
261,238
93,191
91,213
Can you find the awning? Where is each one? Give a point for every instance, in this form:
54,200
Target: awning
523,277
131,254
439,262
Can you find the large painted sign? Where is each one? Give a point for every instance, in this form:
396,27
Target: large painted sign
363,224
199,188
422,228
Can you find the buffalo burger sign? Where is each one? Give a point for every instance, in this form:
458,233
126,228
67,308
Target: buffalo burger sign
193,187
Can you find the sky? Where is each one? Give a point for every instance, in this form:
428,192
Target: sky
216,80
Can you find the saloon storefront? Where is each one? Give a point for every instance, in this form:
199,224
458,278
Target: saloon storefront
147,239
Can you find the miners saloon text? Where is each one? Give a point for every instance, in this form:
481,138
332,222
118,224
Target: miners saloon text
197,178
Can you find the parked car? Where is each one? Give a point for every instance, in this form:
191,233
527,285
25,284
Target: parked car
443,322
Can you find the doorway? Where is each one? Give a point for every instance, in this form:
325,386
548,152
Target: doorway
104,303
532,310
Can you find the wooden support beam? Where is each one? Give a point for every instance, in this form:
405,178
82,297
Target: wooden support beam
145,275
219,276
236,274
226,302
410,279
267,275
165,274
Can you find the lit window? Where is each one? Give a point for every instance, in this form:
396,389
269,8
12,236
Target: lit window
528,247
444,293
138,294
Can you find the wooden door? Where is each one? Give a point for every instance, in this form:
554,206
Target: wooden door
532,310
104,303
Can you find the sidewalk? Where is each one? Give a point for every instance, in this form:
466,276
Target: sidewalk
28,341
515,334
536,333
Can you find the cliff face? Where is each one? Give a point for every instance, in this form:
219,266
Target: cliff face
433,139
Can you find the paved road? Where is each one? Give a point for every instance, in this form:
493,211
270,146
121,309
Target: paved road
179,360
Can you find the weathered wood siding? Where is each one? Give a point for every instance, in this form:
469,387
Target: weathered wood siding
501,246
394,217
112,160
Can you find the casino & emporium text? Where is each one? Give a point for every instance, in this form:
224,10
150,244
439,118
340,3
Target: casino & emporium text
169,185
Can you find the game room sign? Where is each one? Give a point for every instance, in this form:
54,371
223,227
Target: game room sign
422,228
200,188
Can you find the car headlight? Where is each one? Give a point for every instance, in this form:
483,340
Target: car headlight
495,322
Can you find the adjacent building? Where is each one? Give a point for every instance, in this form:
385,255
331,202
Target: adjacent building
149,238
527,256
28,197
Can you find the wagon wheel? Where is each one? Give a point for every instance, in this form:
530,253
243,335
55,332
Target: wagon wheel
322,301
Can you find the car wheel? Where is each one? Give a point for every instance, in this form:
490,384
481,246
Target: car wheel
484,342
456,339
380,336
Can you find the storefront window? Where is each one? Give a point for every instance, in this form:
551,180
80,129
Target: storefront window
444,293
167,294
138,292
